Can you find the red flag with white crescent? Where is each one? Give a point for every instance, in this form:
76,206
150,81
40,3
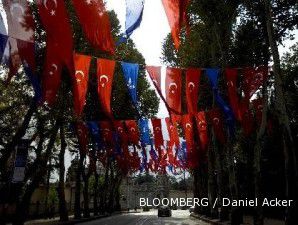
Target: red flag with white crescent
120,129
106,132
80,82
187,125
217,123
157,132
231,77
82,134
59,46
173,89
193,77
95,22
192,154
105,75
21,29
133,131
173,132
155,75
202,130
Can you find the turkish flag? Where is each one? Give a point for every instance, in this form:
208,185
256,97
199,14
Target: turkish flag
258,107
59,46
193,77
21,29
231,78
120,129
80,82
177,17
133,131
173,89
217,122
106,130
187,125
95,22
192,154
82,134
155,75
105,75
254,78
157,132
202,130
173,132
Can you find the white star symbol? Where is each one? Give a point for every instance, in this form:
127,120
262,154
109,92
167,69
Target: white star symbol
53,13
88,2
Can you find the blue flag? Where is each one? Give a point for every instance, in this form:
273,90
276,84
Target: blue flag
144,132
3,38
134,14
131,72
229,116
34,81
95,135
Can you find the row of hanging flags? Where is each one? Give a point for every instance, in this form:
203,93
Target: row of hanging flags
17,43
115,137
17,48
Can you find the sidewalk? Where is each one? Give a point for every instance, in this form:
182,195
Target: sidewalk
247,220
55,221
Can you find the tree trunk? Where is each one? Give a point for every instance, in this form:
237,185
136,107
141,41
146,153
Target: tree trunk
63,213
95,196
86,195
46,202
291,173
41,170
6,153
77,206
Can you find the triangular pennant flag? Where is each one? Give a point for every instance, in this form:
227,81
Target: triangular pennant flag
177,17
131,73
59,48
173,89
193,77
80,82
157,131
105,75
82,133
95,22
217,123
202,130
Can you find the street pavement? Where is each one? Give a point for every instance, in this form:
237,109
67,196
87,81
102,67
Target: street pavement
179,217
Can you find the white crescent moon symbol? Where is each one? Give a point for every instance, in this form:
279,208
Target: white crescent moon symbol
216,121
188,125
120,129
202,124
173,85
55,66
132,129
80,132
230,83
45,3
103,77
191,86
157,128
80,72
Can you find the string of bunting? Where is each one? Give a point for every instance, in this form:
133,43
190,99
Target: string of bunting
128,142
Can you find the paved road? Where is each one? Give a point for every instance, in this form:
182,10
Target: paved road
179,217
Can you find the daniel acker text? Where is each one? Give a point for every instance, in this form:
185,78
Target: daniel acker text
189,202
